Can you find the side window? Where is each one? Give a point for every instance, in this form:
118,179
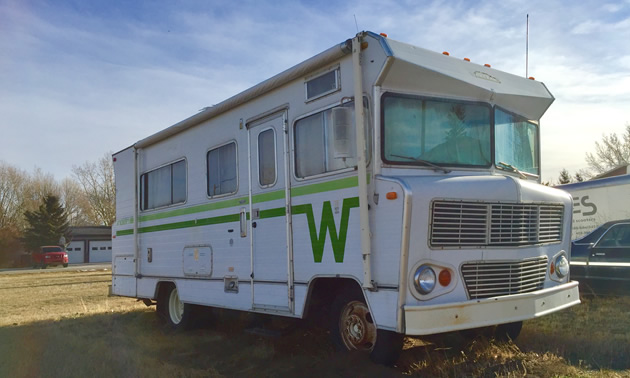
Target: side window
616,236
222,170
323,84
163,186
267,157
325,141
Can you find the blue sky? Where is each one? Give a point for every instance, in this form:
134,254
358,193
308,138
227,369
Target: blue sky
80,78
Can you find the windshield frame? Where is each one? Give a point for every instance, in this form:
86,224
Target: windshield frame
418,162
493,165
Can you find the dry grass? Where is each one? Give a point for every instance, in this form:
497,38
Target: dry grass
53,294
61,324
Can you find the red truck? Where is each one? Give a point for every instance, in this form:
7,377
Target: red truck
50,255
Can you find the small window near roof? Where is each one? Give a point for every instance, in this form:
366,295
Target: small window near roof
322,85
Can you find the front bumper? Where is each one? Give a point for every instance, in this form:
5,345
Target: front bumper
428,320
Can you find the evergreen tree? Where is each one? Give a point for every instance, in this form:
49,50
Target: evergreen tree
579,177
565,177
46,225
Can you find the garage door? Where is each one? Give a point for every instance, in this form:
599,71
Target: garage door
75,252
101,251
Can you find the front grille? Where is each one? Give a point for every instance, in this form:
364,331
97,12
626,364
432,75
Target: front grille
469,224
493,279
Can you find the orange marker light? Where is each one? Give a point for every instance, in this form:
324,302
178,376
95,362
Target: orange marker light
487,65
531,78
384,35
444,278
445,53
391,195
466,59
364,45
552,269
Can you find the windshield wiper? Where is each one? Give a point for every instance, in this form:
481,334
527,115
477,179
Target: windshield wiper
511,168
432,165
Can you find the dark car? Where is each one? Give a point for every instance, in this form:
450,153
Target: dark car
600,261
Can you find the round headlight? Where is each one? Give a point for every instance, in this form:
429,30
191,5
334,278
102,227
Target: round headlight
424,280
562,266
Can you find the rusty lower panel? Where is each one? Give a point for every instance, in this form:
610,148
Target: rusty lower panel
427,320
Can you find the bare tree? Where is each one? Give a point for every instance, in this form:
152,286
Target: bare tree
97,181
39,186
611,152
75,201
12,184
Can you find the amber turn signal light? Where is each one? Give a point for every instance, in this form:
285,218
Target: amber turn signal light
444,278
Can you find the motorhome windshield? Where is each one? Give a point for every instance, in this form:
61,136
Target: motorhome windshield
516,142
419,130
426,132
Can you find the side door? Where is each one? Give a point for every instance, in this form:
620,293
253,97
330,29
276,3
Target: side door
269,228
609,261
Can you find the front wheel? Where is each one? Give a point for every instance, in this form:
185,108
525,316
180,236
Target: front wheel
509,331
65,265
353,329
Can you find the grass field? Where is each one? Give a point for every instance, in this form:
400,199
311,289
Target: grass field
61,323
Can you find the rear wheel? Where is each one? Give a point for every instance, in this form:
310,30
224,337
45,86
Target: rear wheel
65,265
353,329
177,314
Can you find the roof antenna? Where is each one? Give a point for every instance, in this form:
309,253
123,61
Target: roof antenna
527,48
355,23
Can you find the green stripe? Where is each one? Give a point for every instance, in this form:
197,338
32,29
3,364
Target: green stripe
196,209
271,196
344,183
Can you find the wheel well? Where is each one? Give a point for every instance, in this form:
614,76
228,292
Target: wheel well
323,291
161,288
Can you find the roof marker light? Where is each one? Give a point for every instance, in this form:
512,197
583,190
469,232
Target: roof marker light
531,78
467,59
445,53
487,65
384,35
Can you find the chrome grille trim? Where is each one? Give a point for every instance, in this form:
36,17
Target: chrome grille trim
488,279
478,224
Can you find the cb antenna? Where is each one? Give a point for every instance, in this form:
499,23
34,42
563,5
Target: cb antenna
355,23
527,48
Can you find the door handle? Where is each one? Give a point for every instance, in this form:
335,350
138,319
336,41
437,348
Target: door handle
243,222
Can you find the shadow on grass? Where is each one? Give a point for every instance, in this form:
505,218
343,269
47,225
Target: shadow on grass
137,344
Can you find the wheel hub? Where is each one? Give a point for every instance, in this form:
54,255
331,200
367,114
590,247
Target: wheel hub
358,332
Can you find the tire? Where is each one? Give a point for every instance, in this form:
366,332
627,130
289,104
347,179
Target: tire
178,315
353,329
65,265
43,266
476,333
508,331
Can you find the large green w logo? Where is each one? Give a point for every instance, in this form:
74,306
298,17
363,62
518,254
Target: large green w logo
328,223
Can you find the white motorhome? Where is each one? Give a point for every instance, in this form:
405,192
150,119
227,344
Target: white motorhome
426,218
598,201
